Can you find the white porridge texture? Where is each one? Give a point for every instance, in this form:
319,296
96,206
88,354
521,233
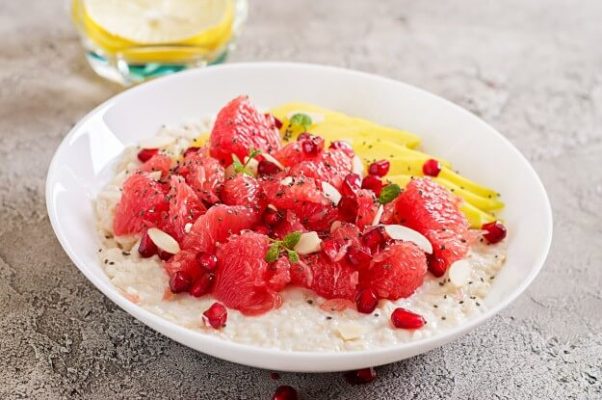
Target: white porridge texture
143,281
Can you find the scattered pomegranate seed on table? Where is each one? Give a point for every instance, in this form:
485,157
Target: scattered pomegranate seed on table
431,167
147,248
379,168
146,154
360,376
274,375
495,232
404,319
372,182
180,282
366,301
285,392
216,315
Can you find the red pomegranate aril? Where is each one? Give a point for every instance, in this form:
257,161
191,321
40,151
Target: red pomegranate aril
180,282
216,315
436,265
351,184
202,285
374,238
266,167
310,148
285,392
271,216
358,256
379,168
163,255
304,136
372,182
190,151
366,301
431,167
147,248
207,261
277,122
342,145
495,232
146,154
404,319
274,375
347,208
263,229
360,376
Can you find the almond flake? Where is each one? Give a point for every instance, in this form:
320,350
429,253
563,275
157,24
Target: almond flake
331,192
272,159
400,232
308,243
357,167
378,216
164,241
350,330
459,273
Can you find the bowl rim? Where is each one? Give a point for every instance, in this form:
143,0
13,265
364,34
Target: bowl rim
165,325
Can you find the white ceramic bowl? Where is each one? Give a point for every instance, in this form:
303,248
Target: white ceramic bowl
83,163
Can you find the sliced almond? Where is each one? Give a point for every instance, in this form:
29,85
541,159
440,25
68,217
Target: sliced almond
287,181
459,273
378,216
157,142
400,232
252,165
272,159
357,167
308,243
155,175
164,241
331,193
334,226
350,330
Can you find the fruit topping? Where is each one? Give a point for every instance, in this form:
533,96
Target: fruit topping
216,315
404,319
494,232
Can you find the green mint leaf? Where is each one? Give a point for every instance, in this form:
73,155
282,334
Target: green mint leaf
301,120
389,193
293,256
291,240
252,154
273,252
238,166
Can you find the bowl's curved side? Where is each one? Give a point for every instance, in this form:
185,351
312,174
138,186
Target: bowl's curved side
78,167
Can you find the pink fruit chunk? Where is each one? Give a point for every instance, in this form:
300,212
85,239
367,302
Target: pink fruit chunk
204,174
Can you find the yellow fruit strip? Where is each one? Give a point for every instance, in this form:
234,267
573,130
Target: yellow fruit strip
466,183
333,125
483,203
476,218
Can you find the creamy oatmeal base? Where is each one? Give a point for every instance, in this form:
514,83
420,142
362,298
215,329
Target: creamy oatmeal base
145,282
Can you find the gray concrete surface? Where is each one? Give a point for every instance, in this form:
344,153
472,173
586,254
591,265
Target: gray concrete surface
533,69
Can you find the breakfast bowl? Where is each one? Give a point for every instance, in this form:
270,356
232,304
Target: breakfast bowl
86,161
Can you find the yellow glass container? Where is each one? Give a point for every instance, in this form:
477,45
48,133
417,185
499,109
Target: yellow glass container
129,41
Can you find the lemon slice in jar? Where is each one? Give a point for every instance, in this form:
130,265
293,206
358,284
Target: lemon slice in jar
156,21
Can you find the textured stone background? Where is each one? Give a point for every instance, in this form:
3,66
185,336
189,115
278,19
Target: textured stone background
533,69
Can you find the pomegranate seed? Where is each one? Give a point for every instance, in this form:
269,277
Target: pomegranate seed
360,376
342,145
358,256
309,148
373,238
351,184
285,392
147,248
267,168
163,255
207,261
431,167
404,319
436,265
277,122
263,229
180,282
146,154
366,301
304,136
274,375
190,150
348,208
372,182
494,232
271,216
379,168
202,285
216,315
